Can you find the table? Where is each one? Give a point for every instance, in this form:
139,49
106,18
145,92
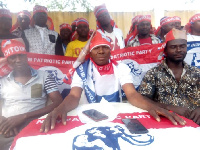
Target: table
109,135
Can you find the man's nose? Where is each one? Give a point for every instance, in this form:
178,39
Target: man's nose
101,50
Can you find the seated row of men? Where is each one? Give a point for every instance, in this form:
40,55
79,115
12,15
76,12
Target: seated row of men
39,36
171,86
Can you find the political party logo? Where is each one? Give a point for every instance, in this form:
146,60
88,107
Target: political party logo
196,60
58,76
110,138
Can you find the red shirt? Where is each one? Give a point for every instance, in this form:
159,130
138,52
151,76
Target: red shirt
146,41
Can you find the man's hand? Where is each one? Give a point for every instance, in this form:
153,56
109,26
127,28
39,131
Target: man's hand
195,116
10,123
11,133
156,111
50,121
182,111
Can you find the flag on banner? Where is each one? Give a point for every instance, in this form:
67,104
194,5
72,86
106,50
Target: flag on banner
193,53
107,135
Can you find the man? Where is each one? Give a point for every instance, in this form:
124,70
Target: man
100,78
75,47
5,26
39,39
23,22
144,37
24,93
173,84
177,22
133,30
65,34
107,26
166,24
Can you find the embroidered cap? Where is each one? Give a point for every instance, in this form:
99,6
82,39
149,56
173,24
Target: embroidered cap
144,18
81,21
24,12
65,26
13,47
177,19
99,10
194,18
5,13
38,8
99,40
165,20
175,34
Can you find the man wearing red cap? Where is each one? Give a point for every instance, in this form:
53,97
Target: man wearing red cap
65,34
75,47
39,39
166,24
23,22
173,84
177,22
100,77
107,26
143,29
24,92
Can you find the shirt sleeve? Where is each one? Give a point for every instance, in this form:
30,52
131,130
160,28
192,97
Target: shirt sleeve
76,81
69,50
124,74
148,85
50,85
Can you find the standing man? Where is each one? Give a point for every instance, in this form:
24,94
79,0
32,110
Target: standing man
23,23
143,29
65,34
107,26
5,26
39,39
166,24
173,84
75,47
24,93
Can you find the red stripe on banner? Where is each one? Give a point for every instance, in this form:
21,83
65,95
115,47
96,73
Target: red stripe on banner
142,54
73,121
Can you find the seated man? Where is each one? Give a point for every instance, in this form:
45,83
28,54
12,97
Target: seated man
143,29
173,84
75,47
101,77
24,93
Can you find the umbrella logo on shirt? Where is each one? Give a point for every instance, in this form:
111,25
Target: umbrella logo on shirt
106,137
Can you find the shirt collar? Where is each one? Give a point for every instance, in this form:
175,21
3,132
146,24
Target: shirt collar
33,74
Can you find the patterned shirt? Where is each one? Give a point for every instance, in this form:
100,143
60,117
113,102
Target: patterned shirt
160,85
135,42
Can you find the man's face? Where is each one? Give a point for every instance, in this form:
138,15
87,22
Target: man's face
65,34
5,23
18,61
168,27
23,21
196,26
82,30
104,18
100,55
40,19
176,50
177,25
144,27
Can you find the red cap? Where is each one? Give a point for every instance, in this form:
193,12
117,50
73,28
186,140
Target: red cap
177,19
165,20
13,47
100,9
65,26
38,8
100,39
194,18
24,12
175,34
144,18
5,13
82,21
